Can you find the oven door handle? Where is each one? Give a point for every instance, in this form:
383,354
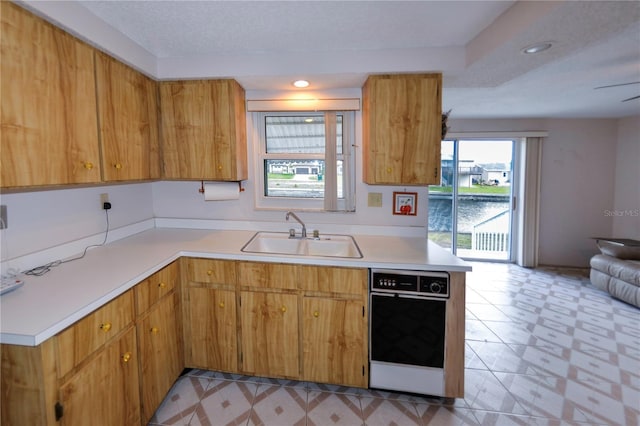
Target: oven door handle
385,294
407,296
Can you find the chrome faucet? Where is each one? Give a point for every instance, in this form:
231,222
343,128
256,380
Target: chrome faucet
304,228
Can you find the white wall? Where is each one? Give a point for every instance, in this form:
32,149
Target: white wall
583,176
577,182
43,219
578,172
182,199
626,201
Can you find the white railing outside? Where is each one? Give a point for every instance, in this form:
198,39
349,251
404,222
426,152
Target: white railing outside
492,234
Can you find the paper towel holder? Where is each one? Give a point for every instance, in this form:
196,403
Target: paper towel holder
201,190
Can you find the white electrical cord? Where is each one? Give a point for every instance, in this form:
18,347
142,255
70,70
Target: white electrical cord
43,269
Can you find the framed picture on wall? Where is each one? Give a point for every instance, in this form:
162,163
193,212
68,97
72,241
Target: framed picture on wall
405,203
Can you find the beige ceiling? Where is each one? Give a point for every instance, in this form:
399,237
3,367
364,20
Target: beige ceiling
335,44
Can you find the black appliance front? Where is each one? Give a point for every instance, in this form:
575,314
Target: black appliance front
407,330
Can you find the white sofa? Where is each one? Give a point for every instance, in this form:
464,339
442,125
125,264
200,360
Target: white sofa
617,271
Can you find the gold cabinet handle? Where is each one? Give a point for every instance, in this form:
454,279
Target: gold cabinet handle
118,166
283,309
221,304
209,272
88,165
154,330
220,167
126,357
162,285
316,314
389,169
105,326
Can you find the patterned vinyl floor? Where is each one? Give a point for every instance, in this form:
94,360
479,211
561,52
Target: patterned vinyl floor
543,347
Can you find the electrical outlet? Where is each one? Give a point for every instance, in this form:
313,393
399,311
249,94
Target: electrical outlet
104,198
4,222
374,199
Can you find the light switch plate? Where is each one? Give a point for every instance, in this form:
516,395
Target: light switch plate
375,199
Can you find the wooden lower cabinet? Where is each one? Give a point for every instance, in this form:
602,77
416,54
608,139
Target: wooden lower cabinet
90,333
28,384
104,389
213,342
210,314
269,329
160,353
334,341
335,344
277,320
116,365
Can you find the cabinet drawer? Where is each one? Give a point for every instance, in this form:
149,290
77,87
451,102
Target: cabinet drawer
211,271
268,275
351,281
81,339
149,291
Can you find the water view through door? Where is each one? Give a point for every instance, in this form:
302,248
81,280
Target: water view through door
470,212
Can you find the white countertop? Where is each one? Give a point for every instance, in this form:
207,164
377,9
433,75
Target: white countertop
46,305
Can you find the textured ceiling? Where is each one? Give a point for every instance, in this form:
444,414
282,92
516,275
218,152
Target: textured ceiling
185,28
335,44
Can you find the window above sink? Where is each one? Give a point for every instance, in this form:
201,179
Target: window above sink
305,160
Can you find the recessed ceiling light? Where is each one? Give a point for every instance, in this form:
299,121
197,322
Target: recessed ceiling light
301,83
538,47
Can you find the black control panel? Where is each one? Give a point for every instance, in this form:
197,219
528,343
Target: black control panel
434,284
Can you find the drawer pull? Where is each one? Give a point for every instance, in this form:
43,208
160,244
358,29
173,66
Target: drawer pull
88,165
105,326
117,166
283,309
126,357
162,285
154,330
209,272
316,314
221,304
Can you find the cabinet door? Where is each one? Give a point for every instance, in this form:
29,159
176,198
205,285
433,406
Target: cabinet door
48,106
334,341
203,130
128,111
105,390
402,116
213,342
270,343
160,353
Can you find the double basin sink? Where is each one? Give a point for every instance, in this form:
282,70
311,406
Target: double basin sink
325,245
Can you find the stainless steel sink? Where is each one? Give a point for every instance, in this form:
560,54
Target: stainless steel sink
280,243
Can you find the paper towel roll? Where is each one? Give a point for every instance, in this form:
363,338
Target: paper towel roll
220,191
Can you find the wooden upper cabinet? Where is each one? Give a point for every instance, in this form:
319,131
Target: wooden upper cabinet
49,130
401,127
203,125
128,119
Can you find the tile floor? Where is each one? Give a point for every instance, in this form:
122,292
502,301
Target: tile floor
544,347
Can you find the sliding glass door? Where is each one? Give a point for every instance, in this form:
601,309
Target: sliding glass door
470,211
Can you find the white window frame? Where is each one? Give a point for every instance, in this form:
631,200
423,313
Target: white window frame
345,204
